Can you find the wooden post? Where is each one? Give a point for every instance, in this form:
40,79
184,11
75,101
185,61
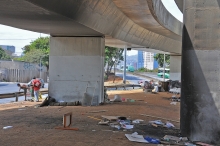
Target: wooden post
16,96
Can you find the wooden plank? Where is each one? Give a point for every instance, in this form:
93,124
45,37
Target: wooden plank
97,111
94,118
111,118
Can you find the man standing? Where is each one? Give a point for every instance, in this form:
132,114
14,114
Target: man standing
36,85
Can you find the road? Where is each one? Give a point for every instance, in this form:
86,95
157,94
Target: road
133,79
8,87
153,75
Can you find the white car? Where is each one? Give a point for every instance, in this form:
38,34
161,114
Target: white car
41,81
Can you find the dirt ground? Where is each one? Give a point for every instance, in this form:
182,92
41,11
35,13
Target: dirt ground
35,126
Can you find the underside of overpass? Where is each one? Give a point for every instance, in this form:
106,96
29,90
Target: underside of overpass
80,29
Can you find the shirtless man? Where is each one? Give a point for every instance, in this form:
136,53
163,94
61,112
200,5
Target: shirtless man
25,88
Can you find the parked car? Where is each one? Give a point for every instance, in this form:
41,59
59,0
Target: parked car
41,81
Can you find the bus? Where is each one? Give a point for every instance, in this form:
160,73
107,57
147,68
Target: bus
128,68
166,74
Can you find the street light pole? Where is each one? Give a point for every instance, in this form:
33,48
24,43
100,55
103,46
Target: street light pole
164,68
40,67
124,74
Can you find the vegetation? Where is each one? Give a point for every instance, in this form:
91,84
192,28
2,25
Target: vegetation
4,55
113,56
146,70
160,59
37,51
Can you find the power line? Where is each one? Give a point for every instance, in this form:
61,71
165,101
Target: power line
19,39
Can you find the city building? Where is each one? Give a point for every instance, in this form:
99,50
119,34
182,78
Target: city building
140,62
146,60
10,49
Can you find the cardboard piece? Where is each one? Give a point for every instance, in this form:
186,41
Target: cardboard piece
111,118
98,111
203,144
169,137
136,138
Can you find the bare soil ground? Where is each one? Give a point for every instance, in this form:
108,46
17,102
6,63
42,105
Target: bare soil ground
35,126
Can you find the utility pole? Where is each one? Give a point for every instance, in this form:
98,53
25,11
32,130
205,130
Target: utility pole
40,67
164,68
124,74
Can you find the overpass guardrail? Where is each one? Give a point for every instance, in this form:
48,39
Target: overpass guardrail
17,94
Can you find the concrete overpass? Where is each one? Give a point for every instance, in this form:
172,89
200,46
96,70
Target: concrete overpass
80,29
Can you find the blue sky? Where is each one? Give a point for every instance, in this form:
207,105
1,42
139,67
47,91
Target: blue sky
19,38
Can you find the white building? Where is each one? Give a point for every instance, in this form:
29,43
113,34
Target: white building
148,60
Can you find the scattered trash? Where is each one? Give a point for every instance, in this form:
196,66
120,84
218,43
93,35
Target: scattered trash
122,118
136,138
169,137
137,121
189,144
173,103
102,122
203,144
21,109
183,138
152,140
132,100
169,125
127,126
7,127
158,122
117,98
110,118
93,130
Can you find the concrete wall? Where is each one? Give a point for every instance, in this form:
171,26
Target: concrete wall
21,65
175,67
15,71
76,67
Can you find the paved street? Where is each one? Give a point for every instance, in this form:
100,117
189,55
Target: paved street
132,78
7,87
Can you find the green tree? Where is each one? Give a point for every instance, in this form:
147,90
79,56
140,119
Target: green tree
37,50
112,56
4,55
160,59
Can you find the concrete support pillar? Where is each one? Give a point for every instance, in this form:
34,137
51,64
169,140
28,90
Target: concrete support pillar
200,93
175,67
76,67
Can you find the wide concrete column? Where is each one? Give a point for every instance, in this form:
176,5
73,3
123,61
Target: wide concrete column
200,93
76,67
175,67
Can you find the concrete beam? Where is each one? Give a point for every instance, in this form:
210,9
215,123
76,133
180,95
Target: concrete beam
83,18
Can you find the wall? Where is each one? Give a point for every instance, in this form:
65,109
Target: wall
15,71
